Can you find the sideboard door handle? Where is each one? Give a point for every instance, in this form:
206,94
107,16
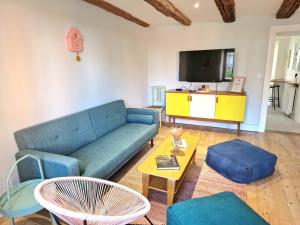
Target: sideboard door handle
191,98
217,99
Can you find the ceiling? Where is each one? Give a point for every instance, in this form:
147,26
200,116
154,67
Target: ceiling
207,11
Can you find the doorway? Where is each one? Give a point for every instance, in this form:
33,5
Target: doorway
280,109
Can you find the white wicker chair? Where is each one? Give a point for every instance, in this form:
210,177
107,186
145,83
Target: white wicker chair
85,200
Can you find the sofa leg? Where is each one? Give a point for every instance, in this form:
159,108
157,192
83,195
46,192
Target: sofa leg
152,144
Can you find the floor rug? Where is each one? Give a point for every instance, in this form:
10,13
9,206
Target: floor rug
199,181
194,186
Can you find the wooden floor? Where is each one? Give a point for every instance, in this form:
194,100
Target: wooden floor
276,198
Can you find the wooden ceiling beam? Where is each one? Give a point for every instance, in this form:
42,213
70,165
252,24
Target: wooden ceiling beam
169,10
226,8
117,11
287,9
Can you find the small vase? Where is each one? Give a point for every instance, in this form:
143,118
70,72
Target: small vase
176,145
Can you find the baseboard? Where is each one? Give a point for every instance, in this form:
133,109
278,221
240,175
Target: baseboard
245,127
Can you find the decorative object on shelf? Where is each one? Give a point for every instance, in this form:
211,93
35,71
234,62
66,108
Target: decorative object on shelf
176,133
204,89
86,200
74,42
238,84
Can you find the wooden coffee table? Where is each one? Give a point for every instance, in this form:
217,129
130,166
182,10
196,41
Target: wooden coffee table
168,181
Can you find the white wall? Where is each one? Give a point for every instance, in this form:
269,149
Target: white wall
281,63
249,38
290,75
275,60
39,78
290,72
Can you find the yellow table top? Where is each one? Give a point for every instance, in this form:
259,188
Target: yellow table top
148,166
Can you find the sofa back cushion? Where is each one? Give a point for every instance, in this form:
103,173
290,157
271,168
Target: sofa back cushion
61,136
108,117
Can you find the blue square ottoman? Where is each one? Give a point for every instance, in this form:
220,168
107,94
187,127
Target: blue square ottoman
224,208
241,161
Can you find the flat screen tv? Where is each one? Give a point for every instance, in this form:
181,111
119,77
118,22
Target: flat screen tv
206,65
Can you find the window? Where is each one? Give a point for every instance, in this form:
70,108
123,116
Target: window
229,63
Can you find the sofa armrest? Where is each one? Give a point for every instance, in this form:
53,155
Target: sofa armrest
53,165
141,111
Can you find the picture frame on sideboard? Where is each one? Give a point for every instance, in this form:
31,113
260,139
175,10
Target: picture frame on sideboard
238,84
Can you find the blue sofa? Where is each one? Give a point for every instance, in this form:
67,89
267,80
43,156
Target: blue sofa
94,143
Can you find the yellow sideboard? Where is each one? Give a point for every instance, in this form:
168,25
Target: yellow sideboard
178,104
212,106
230,107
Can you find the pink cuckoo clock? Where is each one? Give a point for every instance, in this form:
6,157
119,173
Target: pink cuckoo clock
74,41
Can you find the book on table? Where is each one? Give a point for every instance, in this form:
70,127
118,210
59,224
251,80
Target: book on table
166,162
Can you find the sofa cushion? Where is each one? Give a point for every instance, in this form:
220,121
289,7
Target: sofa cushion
241,161
61,136
108,117
139,118
220,209
107,154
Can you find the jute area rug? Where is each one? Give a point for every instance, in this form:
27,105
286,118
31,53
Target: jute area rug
206,183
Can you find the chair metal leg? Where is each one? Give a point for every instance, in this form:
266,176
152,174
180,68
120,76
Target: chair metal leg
146,217
273,98
278,97
148,220
11,221
53,219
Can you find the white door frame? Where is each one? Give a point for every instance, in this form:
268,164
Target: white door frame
272,38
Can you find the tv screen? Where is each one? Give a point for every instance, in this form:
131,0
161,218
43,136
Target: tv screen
206,65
